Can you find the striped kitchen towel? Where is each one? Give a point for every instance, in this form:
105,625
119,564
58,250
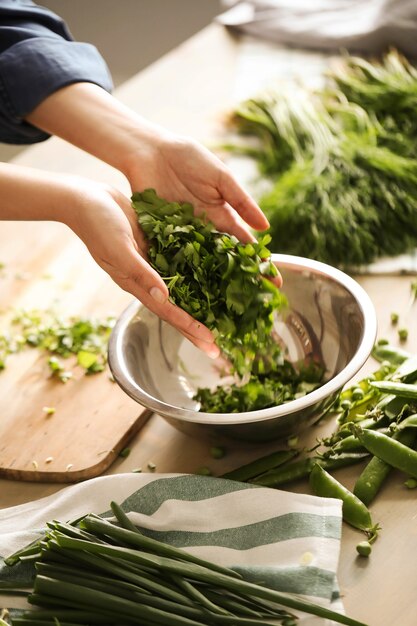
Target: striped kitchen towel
288,541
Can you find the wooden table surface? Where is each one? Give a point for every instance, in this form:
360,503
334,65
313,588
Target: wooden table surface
188,91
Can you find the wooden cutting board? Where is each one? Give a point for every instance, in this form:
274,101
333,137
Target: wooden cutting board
46,265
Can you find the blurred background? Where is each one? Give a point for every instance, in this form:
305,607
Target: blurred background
130,34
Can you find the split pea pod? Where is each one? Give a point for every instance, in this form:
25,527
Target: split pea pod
406,423
389,450
407,371
376,471
355,512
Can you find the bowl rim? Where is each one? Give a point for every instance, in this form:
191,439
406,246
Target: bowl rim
128,384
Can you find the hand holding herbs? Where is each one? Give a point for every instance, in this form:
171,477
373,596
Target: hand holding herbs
94,571
212,276
227,285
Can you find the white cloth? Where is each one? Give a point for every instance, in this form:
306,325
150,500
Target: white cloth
356,25
291,540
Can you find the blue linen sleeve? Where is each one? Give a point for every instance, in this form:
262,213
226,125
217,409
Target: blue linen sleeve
38,56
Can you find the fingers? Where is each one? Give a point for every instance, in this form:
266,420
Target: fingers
241,201
145,284
193,330
227,221
277,280
211,349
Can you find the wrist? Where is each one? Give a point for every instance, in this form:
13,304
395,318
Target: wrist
142,152
30,194
93,120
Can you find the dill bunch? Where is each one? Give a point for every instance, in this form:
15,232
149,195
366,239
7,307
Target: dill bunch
342,163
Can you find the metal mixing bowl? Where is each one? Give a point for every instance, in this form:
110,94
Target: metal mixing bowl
331,319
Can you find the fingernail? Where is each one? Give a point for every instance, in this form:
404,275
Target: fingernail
213,352
157,295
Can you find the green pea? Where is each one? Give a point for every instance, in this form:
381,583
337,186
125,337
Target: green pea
394,318
292,442
403,334
347,444
405,390
217,452
364,548
203,471
345,405
411,483
357,394
394,355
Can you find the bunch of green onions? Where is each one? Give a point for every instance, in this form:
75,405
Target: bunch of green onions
96,572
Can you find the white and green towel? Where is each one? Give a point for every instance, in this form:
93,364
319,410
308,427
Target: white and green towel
288,541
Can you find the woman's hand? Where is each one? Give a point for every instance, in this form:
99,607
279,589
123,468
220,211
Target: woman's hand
181,169
103,218
178,168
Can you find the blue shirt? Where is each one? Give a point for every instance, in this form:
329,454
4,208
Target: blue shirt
38,56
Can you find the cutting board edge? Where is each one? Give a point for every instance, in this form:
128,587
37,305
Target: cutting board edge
84,473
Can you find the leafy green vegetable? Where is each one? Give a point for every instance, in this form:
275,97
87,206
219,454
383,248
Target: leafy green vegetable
86,338
218,280
388,91
224,284
262,391
342,163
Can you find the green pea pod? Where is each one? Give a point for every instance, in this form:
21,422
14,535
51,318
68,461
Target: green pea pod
285,474
355,512
301,469
261,466
408,422
397,389
342,460
368,422
347,444
392,406
389,450
376,471
386,352
407,371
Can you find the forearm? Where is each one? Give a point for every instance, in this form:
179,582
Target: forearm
28,194
93,120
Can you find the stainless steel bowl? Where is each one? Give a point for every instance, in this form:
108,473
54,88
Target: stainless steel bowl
331,318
